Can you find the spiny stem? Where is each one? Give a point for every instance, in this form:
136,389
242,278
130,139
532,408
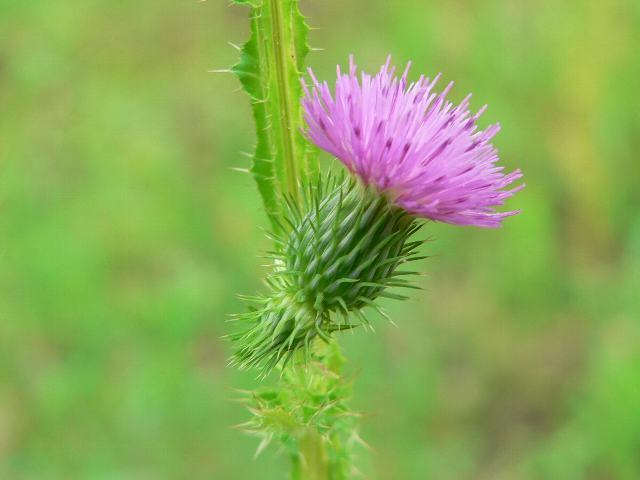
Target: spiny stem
284,94
269,70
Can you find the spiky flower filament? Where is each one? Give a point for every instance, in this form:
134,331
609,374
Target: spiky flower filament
337,253
402,136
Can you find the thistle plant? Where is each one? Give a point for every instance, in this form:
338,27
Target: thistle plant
342,241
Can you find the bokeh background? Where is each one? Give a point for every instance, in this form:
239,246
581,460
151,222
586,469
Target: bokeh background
125,233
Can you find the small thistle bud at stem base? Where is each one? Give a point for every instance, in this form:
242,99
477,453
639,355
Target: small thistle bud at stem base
339,252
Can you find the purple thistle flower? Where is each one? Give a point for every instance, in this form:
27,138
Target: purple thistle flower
412,144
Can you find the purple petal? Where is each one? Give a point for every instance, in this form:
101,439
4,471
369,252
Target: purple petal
406,140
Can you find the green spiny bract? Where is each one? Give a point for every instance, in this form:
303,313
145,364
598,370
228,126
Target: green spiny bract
336,254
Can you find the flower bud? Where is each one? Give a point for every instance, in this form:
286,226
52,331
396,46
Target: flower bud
337,253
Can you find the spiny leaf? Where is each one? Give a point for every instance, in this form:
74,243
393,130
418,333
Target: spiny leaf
269,71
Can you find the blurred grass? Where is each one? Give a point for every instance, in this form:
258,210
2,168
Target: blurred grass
124,235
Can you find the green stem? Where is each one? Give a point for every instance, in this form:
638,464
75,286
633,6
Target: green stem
310,408
287,126
269,70
312,463
326,455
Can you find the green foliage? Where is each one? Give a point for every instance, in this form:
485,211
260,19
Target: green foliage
336,254
308,414
269,71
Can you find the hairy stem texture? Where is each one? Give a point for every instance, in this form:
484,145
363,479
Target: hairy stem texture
269,71
306,412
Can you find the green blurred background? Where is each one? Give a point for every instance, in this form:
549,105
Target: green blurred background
124,235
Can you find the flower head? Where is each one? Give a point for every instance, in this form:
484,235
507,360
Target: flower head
411,144
340,248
